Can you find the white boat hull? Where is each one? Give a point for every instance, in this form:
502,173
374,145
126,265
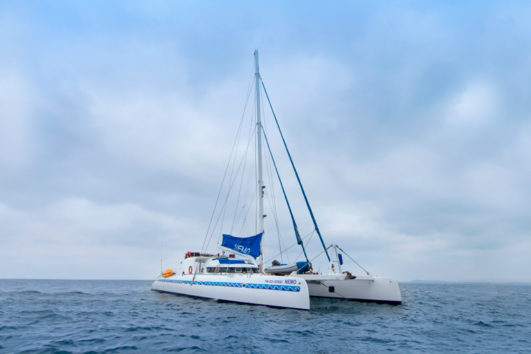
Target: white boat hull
362,288
256,289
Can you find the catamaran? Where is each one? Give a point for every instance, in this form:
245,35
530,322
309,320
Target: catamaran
237,277
239,273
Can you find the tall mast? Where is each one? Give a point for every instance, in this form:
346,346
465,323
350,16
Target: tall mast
259,150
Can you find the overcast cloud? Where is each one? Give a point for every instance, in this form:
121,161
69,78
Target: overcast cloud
410,124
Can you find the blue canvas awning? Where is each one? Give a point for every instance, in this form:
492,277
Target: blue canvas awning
249,246
229,261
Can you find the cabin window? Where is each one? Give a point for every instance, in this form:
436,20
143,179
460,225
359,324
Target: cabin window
211,269
247,270
238,270
231,270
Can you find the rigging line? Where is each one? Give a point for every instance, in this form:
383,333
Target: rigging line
237,212
289,247
296,173
228,162
216,203
247,206
297,236
248,210
251,197
230,167
223,209
275,216
272,202
308,240
274,210
272,187
326,249
234,168
352,259
245,159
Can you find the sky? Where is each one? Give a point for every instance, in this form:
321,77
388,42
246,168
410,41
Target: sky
409,123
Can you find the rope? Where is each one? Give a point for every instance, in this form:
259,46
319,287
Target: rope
323,251
297,236
296,173
307,242
251,198
289,247
222,213
353,260
272,203
245,159
236,138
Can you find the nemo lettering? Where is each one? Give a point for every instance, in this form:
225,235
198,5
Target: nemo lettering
243,249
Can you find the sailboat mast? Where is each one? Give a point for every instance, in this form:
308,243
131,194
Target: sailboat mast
259,149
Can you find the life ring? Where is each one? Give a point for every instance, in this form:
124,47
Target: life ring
190,270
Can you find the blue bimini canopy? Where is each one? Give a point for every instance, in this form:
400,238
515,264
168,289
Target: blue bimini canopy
249,246
229,261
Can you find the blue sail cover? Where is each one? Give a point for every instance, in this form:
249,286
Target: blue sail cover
245,245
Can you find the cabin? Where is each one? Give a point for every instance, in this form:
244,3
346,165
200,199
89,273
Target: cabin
202,263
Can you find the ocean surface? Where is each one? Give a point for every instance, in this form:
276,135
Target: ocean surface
119,316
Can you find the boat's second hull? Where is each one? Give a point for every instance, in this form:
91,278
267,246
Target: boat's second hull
366,288
256,289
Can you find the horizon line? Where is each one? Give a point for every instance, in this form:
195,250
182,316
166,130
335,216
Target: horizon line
415,281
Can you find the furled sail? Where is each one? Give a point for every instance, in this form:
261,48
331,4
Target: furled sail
249,246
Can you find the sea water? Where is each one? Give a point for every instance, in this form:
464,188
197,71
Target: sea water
119,316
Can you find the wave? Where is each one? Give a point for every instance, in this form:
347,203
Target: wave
112,319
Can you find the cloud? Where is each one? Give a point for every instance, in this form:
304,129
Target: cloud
476,104
76,227
409,128
16,134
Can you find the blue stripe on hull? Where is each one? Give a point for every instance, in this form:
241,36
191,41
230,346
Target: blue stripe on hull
278,287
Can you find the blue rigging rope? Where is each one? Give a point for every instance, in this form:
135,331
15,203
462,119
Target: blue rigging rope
297,235
296,174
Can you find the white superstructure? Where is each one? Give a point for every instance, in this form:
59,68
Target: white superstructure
233,280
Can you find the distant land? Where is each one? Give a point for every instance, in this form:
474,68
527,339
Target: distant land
501,282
